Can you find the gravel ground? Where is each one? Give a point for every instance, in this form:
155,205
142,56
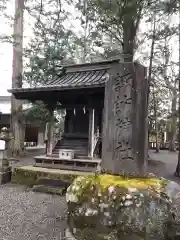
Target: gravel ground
26,215
32,216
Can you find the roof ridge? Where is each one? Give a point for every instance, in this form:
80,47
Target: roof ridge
90,63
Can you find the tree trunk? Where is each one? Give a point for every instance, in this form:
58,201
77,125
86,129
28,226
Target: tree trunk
17,124
177,171
156,124
150,64
128,41
172,144
150,82
157,136
130,23
151,57
129,35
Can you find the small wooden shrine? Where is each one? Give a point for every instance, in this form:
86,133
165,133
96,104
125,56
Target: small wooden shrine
83,91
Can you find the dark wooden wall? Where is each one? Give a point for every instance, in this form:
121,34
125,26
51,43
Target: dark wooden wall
4,120
78,123
31,134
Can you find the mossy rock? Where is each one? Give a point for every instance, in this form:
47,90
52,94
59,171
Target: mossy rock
117,207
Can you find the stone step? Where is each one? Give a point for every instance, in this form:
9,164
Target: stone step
52,182
85,168
57,187
49,190
30,175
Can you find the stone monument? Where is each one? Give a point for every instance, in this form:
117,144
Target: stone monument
124,144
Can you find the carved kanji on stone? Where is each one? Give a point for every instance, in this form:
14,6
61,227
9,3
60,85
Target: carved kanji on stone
123,116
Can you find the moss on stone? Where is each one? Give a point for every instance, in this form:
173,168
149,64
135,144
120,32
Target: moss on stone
28,177
84,186
108,204
106,180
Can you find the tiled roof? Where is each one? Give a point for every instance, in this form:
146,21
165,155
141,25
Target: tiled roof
81,79
70,80
79,76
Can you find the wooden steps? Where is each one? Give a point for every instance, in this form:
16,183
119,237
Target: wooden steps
80,162
84,165
80,146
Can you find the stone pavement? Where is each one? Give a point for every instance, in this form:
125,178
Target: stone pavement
164,164
24,162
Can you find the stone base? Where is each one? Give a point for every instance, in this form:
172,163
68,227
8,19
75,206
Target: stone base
30,176
49,189
5,177
45,185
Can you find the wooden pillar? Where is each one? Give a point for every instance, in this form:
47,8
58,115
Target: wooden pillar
40,140
50,131
124,128
91,132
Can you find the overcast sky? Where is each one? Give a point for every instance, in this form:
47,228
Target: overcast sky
6,49
5,57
